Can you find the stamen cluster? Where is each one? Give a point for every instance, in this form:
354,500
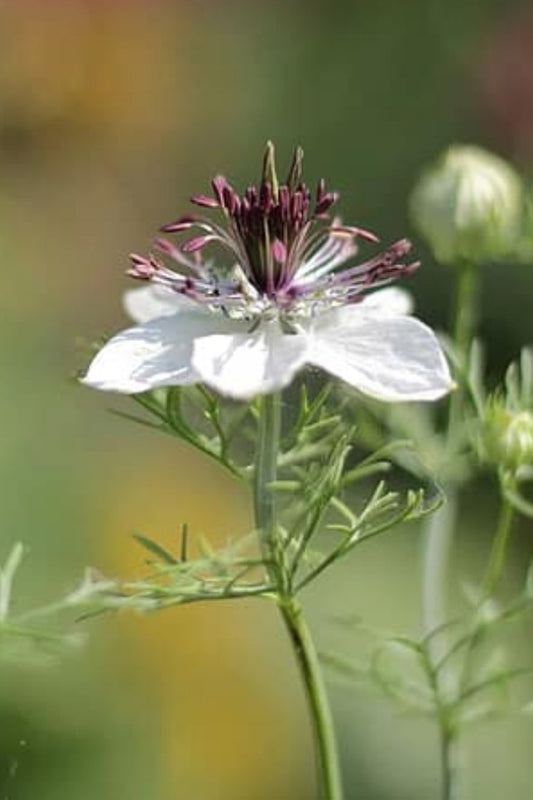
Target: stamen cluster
284,248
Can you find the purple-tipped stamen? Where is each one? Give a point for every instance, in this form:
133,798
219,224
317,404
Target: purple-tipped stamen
204,201
285,249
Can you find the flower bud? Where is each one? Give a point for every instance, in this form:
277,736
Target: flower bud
508,436
469,206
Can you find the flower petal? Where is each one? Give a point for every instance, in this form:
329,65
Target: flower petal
391,358
153,301
156,353
391,300
244,365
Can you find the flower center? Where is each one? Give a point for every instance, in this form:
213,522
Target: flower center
285,248
271,222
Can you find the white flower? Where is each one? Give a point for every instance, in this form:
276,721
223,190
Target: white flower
288,301
372,345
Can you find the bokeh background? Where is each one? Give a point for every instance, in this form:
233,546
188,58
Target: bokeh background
112,112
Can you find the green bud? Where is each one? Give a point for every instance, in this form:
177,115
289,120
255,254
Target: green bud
506,434
469,206
508,437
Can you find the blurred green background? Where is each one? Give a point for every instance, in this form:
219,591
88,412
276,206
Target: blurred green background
111,114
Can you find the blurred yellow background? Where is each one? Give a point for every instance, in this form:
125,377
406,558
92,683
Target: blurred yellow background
111,114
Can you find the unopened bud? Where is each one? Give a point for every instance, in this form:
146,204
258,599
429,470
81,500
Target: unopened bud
469,206
508,436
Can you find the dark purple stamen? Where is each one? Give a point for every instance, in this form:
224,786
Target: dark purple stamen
351,231
204,201
288,249
198,243
219,184
181,224
143,268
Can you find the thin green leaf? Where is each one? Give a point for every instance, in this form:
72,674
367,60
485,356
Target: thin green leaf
184,542
155,548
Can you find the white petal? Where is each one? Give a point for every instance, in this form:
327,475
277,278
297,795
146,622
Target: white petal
391,300
244,365
157,353
391,358
153,301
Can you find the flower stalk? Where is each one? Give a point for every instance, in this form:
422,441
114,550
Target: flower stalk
441,525
436,559
266,470
328,773
439,533
450,775
464,326
329,778
465,317
435,571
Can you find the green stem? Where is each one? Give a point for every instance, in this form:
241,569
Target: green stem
447,731
323,729
448,755
305,653
499,548
466,307
437,551
464,325
441,525
266,469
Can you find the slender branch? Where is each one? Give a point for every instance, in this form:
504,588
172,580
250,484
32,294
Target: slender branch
350,543
499,548
182,431
494,680
168,599
307,535
519,503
